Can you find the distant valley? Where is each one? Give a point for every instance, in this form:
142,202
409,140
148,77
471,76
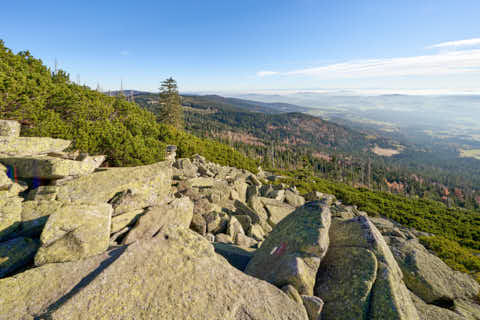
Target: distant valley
341,145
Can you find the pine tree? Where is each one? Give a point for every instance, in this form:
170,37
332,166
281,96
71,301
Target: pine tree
172,111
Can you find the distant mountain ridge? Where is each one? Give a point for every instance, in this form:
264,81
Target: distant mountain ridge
260,123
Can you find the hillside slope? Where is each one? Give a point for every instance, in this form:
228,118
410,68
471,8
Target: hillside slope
262,124
49,105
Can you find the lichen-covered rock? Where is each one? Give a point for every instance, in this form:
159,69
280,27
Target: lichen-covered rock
148,185
276,210
198,224
16,253
9,128
204,171
178,212
234,228
35,215
292,293
125,219
432,312
253,180
292,252
10,214
240,186
468,309
277,195
202,182
245,221
256,232
186,167
30,146
345,280
294,199
259,214
45,167
130,200
75,231
27,294
5,181
216,222
48,193
223,238
176,275
429,277
314,306
319,196
389,298
244,241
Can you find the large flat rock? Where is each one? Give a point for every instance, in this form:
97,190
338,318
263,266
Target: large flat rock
30,146
35,215
292,252
176,275
45,167
276,209
178,212
146,184
36,290
75,231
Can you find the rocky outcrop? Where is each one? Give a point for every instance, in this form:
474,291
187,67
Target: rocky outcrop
88,242
294,199
73,232
438,291
432,312
429,277
291,254
39,290
147,185
345,280
10,214
51,168
179,212
376,290
165,278
30,146
126,219
10,204
313,305
34,216
276,210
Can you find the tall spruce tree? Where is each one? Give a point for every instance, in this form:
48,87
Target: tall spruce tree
172,111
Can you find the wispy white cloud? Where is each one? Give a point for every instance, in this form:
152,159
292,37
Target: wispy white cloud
124,53
457,43
266,73
457,62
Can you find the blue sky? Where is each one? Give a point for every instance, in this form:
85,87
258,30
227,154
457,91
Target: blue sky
246,46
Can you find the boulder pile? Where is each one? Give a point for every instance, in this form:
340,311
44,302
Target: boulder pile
190,239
